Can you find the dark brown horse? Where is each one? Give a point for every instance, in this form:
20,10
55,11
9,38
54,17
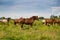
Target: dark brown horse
28,21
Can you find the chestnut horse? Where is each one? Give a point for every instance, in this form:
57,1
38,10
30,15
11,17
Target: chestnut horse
48,21
17,21
51,21
28,21
57,21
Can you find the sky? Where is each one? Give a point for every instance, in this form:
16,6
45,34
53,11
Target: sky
28,8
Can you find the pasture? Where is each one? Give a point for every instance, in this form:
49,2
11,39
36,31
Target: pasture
37,32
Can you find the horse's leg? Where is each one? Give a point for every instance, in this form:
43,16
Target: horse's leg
53,24
31,24
8,22
14,23
46,23
21,25
58,23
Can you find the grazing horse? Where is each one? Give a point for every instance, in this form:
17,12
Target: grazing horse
5,20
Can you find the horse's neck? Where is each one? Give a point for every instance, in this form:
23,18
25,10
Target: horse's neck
32,19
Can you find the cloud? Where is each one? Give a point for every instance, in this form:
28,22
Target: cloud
26,8
58,3
55,10
28,4
6,3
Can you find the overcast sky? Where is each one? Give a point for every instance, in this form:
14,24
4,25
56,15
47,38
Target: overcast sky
27,8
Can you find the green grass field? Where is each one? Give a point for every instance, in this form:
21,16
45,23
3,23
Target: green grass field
37,32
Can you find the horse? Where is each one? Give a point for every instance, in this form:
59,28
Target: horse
17,21
27,21
57,21
48,21
51,21
6,20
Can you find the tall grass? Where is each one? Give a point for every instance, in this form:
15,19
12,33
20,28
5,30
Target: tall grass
37,32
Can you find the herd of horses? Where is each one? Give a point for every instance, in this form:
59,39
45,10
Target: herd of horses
51,21
30,21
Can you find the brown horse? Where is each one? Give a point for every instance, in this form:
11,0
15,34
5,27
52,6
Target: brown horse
28,21
18,21
48,21
56,21
51,21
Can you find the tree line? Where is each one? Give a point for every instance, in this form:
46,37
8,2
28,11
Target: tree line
5,17
52,16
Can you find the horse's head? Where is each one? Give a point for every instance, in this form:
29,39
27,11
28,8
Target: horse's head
35,17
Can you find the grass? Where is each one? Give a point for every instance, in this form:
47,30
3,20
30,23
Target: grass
37,32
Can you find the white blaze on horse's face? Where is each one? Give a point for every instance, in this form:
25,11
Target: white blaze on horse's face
43,20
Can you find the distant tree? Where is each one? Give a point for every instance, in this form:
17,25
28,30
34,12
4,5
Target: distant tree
59,16
41,17
56,17
2,18
53,17
9,17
